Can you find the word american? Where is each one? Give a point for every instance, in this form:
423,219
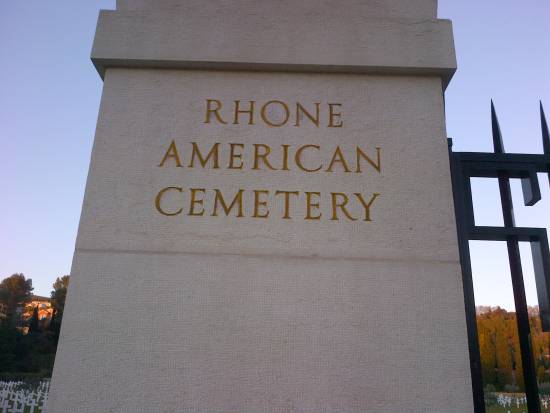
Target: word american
259,156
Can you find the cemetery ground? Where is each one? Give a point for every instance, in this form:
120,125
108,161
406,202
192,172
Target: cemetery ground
512,403
30,396
23,396
29,333
28,344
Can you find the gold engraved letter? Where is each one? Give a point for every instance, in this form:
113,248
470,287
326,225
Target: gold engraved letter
310,205
300,108
195,201
203,161
238,110
341,205
214,110
287,201
361,154
172,152
367,205
265,118
258,203
227,209
262,156
285,158
334,115
158,199
298,158
235,156
338,157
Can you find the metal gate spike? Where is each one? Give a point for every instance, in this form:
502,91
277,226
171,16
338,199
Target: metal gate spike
497,135
545,135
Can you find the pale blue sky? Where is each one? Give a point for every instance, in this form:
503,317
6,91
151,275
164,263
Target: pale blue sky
50,97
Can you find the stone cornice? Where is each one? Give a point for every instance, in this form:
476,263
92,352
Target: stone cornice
182,40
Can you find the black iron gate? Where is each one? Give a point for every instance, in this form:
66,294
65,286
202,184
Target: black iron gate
503,166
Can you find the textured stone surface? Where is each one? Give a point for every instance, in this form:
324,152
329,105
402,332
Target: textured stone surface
245,315
192,38
214,333
363,8
142,111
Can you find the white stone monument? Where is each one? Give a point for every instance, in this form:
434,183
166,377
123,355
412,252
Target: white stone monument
268,223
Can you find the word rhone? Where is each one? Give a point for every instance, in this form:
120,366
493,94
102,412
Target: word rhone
275,113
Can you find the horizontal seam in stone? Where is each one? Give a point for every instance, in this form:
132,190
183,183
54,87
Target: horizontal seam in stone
273,256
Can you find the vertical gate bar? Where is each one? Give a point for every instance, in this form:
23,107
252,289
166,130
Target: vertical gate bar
541,267
539,250
514,258
468,201
545,136
522,314
463,227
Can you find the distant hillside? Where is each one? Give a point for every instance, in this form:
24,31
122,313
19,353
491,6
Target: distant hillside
482,309
499,347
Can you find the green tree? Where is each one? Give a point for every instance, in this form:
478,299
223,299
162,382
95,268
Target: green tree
8,342
500,350
59,294
15,292
486,334
540,374
34,322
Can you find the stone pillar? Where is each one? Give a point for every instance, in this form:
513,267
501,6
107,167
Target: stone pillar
268,223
